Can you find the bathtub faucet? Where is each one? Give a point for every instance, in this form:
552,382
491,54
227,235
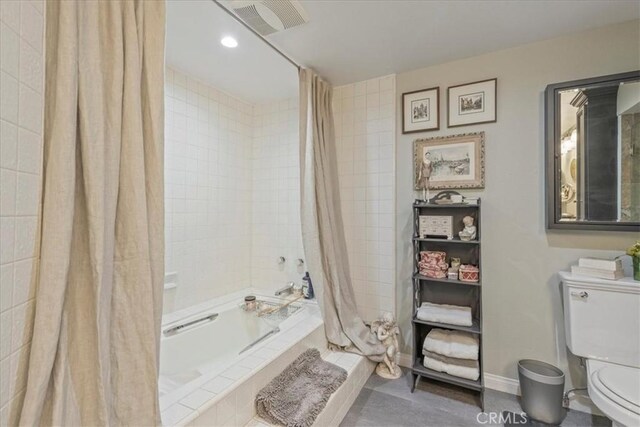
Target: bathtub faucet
287,290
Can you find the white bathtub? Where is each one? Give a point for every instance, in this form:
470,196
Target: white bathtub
198,353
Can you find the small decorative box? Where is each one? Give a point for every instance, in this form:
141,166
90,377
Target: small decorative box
432,264
436,226
433,257
469,273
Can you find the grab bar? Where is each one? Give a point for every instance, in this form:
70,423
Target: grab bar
175,329
262,338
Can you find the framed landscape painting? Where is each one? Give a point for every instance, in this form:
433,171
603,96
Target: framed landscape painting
421,110
472,103
448,162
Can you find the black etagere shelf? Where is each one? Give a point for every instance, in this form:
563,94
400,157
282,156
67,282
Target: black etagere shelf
446,291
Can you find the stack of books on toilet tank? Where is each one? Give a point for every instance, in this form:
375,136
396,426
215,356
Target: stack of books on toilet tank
598,268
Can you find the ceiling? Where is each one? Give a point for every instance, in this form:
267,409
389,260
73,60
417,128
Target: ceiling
354,40
252,71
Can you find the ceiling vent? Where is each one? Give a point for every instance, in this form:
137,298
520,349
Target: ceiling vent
270,16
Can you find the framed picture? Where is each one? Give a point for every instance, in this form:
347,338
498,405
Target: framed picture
446,162
421,110
472,103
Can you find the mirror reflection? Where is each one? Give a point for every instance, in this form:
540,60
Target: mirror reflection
600,153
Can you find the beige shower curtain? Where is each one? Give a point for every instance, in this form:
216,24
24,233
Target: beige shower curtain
94,354
322,228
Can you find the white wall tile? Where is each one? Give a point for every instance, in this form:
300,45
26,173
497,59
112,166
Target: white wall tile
10,50
8,97
7,241
27,194
8,180
208,190
6,287
29,152
10,14
31,68
365,122
31,25
21,107
30,111
8,145
276,228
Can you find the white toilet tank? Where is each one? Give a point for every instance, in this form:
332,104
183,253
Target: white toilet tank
602,318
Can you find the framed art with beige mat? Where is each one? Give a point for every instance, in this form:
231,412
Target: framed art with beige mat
446,162
421,110
472,103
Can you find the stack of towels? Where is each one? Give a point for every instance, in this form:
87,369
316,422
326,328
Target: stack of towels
452,352
445,313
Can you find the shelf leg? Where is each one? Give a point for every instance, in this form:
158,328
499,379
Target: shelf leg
416,380
482,400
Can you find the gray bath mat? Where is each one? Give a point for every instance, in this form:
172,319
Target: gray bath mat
296,396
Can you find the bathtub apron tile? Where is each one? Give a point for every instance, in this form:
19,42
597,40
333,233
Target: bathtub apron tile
245,414
235,372
226,410
174,414
251,362
217,385
198,398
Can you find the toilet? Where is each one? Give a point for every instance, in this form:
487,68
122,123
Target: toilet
602,325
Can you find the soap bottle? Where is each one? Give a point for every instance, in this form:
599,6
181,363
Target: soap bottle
307,286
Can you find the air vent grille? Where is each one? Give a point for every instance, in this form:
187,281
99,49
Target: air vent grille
270,16
286,11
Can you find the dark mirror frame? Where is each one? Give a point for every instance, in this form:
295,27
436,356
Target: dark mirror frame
552,155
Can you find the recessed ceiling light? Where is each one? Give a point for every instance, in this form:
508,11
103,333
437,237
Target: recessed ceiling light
229,41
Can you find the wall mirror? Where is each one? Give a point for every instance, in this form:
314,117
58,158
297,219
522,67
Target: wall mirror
593,153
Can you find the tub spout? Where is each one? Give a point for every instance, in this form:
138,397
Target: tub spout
287,290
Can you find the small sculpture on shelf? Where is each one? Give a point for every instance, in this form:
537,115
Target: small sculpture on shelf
426,168
469,231
386,330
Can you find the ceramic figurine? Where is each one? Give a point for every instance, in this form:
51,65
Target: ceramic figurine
424,174
386,330
469,232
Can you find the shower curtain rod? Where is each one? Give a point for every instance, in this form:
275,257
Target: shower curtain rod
234,16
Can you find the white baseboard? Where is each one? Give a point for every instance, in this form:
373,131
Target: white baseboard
579,402
503,384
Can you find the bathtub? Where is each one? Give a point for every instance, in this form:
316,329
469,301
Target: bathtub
221,338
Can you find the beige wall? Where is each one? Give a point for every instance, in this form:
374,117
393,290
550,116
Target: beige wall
522,305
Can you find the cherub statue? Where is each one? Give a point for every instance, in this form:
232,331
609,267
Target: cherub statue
386,330
469,232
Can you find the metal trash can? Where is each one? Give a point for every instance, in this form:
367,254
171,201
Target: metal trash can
541,387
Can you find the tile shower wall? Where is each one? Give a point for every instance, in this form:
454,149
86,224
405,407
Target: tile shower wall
364,115
276,195
208,190
21,112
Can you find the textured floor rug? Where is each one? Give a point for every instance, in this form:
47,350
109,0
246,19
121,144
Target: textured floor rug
296,396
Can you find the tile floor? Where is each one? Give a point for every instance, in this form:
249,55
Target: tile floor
391,403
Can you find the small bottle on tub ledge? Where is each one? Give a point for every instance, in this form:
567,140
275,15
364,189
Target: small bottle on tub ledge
307,286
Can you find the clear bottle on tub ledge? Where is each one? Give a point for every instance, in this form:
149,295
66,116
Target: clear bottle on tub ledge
307,286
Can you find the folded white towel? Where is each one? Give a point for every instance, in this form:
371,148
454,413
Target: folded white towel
445,313
469,369
458,344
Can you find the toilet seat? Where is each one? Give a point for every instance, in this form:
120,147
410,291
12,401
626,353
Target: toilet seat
615,389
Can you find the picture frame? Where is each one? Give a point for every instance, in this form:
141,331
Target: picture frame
421,110
455,161
472,103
